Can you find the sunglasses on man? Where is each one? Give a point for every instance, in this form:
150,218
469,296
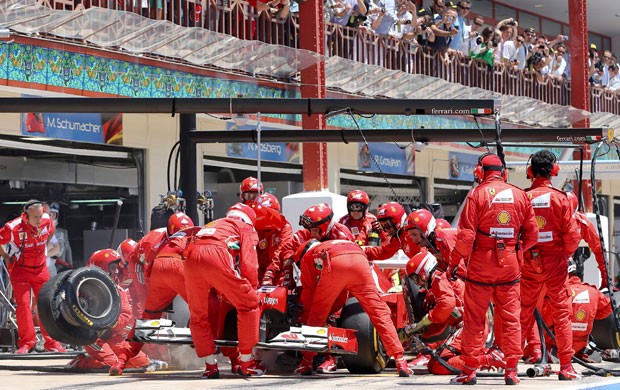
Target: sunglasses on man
356,206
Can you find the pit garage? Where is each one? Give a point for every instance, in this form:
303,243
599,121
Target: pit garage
86,180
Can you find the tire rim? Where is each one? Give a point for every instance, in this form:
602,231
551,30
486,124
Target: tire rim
94,298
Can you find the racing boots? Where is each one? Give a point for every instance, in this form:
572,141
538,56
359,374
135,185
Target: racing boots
55,347
510,376
403,368
251,368
235,363
466,377
211,371
532,355
305,367
24,349
420,360
117,369
492,360
329,365
568,373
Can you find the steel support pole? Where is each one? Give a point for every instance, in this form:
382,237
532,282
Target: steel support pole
188,175
312,38
580,94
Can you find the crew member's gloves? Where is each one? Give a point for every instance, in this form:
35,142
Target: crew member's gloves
267,279
424,322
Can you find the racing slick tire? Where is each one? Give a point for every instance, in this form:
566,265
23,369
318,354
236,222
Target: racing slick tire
371,357
50,303
92,299
604,331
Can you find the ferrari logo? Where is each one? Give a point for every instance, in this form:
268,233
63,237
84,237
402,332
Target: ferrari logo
492,191
540,221
580,315
529,195
503,217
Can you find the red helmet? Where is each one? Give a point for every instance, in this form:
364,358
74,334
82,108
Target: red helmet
358,196
242,212
356,199
442,224
574,201
320,216
103,258
392,212
178,221
269,200
421,265
125,249
423,220
266,217
252,186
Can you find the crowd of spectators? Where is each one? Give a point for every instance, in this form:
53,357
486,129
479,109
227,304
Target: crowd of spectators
448,29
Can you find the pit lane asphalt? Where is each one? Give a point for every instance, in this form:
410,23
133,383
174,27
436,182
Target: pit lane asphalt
47,372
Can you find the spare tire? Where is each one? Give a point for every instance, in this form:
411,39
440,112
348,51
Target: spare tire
49,303
92,299
371,357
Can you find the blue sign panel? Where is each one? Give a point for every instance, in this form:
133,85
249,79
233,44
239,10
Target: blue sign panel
270,151
385,157
462,166
94,128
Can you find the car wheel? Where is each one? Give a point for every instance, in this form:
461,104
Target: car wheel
50,301
371,357
92,299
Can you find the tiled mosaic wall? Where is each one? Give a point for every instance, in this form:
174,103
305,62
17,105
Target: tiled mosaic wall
41,65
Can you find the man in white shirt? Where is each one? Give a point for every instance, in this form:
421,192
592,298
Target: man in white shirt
558,63
513,55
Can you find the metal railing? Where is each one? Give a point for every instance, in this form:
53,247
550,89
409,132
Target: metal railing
237,18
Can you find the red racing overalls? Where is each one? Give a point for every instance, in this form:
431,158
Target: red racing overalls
496,217
546,263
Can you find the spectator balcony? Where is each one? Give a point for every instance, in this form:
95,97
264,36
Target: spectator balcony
238,19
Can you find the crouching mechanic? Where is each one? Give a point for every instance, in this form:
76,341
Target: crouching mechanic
319,224
274,231
104,352
495,218
589,234
327,270
589,304
167,280
424,271
423,230
223,256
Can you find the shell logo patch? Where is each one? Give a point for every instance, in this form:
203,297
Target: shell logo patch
540,221
321,331
580,315
503,217
262,244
